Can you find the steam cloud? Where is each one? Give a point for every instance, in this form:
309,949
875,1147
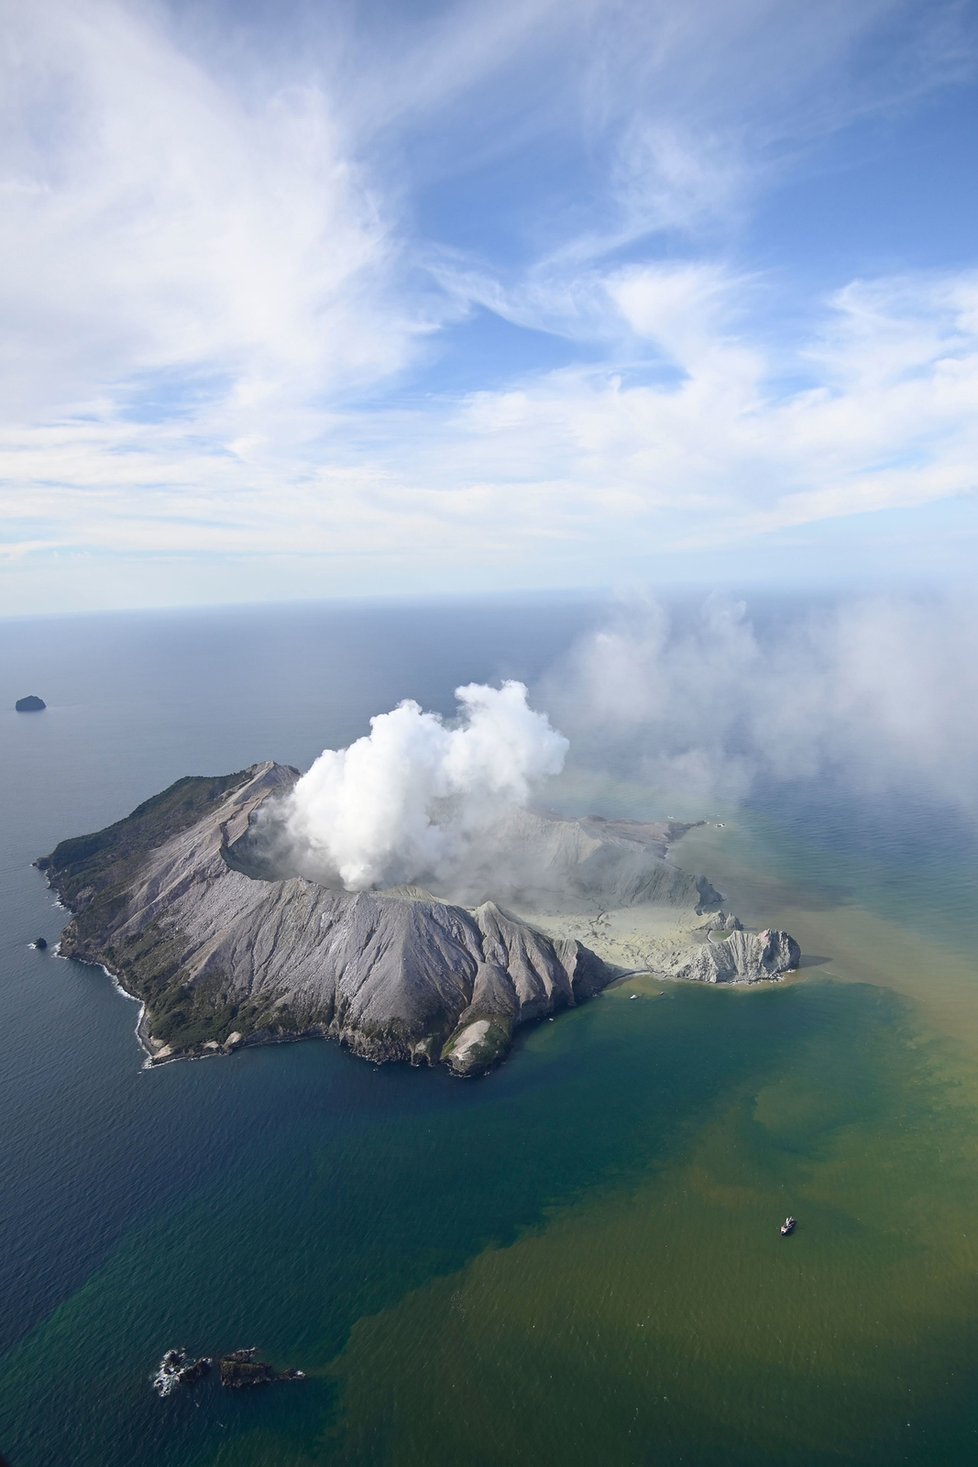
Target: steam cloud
877,693
411,801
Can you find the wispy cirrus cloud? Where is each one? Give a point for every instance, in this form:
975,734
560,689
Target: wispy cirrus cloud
232,262
713,450
158,225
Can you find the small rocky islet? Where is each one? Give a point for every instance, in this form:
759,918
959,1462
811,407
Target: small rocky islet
31,704
177,902
237,1370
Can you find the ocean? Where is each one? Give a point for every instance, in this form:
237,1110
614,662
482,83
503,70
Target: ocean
573,1260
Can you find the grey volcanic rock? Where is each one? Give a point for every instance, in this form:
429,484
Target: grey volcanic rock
31,704
220,958
538,861
568,863
182,902
740,957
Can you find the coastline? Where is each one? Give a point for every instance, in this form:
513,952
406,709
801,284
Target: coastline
648,941
668,923
652,934
120,988
149,1060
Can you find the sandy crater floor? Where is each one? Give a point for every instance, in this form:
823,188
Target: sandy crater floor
637,939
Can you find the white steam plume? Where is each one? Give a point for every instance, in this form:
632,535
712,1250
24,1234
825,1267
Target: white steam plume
410,801
880,693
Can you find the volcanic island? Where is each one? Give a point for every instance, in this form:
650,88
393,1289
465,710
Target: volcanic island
180,904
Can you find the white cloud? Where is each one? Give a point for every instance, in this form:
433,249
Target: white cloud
881,692
889,423
714,453
667,178
683,308
163,234
212,269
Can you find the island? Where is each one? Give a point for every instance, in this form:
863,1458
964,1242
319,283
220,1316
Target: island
179,903
31,704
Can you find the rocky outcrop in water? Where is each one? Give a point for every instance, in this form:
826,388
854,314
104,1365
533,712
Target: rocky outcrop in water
177,1369
241,1370
31,704
739,957
237,1370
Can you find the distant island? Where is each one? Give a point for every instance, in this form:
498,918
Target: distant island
31,704
176,903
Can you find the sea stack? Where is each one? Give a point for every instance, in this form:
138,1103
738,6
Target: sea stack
31,704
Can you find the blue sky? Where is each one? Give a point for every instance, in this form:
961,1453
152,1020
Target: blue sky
356,299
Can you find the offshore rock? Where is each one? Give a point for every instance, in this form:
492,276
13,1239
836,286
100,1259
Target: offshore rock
236,1370
241,1369
177,1369
31,704
740,957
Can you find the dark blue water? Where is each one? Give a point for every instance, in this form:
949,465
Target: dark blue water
459,1266
91,1147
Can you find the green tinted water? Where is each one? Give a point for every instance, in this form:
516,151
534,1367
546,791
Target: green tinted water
576,1260
664,1319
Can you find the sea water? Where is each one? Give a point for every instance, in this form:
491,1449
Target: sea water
575,1260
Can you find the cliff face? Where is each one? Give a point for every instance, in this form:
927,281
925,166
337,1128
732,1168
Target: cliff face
219,957
740,957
